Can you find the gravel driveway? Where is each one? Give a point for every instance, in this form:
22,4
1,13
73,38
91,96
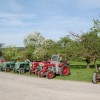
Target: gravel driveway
20,87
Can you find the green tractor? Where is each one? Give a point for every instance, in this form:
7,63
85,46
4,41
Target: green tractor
7,66
21,67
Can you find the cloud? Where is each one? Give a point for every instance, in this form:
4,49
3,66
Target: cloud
62,22
15,19
12,39
52,27
58,26
52,18
88,4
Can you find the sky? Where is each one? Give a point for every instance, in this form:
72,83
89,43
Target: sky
52,18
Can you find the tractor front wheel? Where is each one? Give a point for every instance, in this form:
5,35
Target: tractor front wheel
36,72
50,74
95,79
40,73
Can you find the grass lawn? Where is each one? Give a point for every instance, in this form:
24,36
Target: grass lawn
79,75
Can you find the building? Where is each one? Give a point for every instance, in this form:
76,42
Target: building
1,45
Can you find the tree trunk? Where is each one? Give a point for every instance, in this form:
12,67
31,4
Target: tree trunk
88,62
88,65
96,67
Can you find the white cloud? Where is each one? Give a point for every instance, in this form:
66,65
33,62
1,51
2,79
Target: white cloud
15,19
12,39
18,18
58,26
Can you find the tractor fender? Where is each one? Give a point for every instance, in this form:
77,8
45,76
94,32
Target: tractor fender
61,64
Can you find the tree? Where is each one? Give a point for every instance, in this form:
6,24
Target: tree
34,39
49,47
89,43
96,53
13,53
36,42
69,47
29,52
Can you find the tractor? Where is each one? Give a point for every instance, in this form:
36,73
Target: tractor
34,67
57,66
96,77
21,67
7,66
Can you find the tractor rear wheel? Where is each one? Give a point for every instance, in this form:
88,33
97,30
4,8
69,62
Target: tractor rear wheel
14,70
36,72
7,69
1,68
31,72
50,74
21,71
95,79
65,70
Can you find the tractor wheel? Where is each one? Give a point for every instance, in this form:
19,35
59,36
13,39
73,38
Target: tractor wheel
30,71
50,74
64,71
7,70
22,71
36,72
95,79
1,68
40,74
14,70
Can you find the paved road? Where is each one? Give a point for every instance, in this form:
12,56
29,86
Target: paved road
20,87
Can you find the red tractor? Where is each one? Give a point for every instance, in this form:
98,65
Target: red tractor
35,67
57,65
